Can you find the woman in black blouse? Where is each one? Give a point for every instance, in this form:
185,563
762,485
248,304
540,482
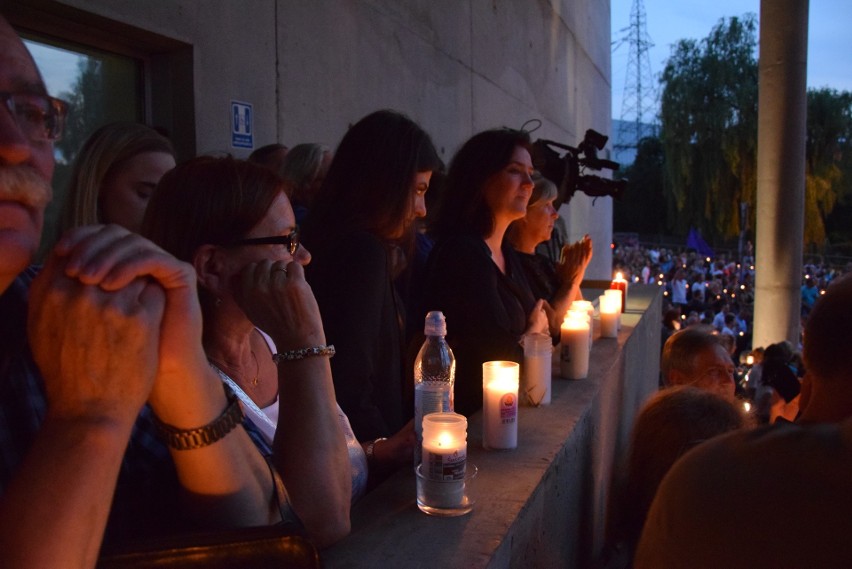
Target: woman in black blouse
361,221
473,275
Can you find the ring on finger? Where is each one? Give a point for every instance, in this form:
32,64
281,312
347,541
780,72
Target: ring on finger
282,269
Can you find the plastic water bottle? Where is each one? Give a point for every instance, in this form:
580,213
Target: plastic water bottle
434,375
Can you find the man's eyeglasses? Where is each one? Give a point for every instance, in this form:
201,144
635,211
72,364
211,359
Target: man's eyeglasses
291,241
38,116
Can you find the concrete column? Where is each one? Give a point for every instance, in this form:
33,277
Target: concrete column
782,115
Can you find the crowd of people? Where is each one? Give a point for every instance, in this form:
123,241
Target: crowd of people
767,400
716,290
222,343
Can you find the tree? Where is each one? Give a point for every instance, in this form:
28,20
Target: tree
642,210
709,129
828,161
709,138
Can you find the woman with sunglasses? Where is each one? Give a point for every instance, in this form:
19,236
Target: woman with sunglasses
360,228
262,329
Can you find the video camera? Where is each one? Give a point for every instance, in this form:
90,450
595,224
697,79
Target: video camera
566,171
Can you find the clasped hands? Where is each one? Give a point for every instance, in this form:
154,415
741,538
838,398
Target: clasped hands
114,321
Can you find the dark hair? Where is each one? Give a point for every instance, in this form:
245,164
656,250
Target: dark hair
463,207
368,185
208,200
266,155
670,423
827,332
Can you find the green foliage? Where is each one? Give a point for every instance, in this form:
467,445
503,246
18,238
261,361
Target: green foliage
709,129
709,139
643,207
829,160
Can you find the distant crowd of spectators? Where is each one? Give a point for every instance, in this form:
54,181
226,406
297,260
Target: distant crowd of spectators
715,290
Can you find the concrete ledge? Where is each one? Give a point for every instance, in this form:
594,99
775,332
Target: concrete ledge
542,504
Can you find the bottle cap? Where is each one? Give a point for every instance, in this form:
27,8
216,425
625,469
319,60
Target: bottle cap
436,324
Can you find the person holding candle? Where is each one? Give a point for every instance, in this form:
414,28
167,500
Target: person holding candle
557,283
361,229
474,276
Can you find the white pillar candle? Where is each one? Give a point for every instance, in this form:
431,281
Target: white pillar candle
538,350
616,295
588,307
500,404
444,459
609,316
574,341
585,316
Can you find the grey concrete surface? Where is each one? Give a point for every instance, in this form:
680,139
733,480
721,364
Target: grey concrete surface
542,504
310,69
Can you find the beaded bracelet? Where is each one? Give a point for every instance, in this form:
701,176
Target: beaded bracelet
303,353
200,437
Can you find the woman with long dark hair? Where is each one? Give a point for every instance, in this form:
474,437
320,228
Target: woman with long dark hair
474,276
358,229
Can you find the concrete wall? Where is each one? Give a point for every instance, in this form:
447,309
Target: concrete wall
543,504
456,66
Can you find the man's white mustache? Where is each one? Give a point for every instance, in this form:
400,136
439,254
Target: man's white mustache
24,185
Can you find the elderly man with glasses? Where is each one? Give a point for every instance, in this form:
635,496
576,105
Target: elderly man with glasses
696,357
111,322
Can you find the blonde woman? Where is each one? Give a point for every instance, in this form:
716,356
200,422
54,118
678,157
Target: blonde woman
114,176
557,283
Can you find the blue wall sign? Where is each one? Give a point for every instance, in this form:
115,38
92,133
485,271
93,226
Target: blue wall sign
241,125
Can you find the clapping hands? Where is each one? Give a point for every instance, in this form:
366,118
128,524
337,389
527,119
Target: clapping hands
573,262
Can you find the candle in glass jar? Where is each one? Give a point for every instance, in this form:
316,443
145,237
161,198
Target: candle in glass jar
608,306
620,283
444,446
500,404
574,345
444,457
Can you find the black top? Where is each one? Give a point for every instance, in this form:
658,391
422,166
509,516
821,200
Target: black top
541,275
363,317
486,310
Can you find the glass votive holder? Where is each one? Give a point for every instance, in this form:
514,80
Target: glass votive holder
445,498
